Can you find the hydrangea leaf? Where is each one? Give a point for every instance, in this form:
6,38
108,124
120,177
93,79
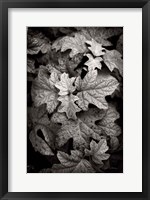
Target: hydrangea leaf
42,144
113,60
68,106
76,44
94,88
44,91
74,163
76,129
100,34
65,85
90,118
93,63
37,42
98,151
95,48
107,124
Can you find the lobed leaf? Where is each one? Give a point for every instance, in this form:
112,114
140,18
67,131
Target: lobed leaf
76,129
93,89
76,44
113,60
107,124
95,48
93,63
68,106
44,91
74,163
98,151
65,85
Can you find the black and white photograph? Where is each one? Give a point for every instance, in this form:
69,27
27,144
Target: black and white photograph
74,99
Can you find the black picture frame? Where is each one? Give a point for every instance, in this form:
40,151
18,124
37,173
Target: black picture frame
4,6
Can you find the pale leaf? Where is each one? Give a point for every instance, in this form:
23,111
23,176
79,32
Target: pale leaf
93,63
68,106
93,89
98,151
76,44
44,91
95,48
65,85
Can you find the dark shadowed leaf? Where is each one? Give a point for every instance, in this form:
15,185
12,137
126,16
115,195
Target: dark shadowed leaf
107,124
76,129
74,163
113,60
37,42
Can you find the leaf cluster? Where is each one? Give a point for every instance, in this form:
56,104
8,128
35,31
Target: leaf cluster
75,98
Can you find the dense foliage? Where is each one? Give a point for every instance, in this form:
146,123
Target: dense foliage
75,99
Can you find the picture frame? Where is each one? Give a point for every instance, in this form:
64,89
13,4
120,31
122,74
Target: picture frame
4,6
